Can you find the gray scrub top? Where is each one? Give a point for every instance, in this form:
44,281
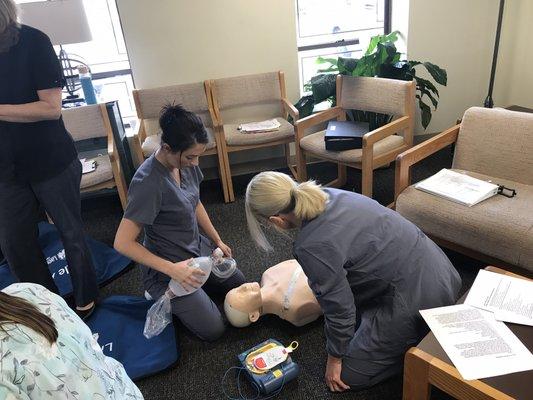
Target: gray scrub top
167,212
358,253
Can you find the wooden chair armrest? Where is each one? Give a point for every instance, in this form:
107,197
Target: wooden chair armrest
289,107
415,154
210,93
317,118
386,130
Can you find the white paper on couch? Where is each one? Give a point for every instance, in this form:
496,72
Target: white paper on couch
457,187
268,125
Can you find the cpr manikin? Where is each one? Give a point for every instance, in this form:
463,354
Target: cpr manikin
283,291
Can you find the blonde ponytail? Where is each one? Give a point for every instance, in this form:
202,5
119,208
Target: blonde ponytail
271,193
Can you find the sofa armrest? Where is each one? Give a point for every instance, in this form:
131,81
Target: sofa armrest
415,154
290,109
386,130
315,119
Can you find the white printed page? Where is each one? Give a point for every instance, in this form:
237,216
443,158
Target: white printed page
509,298
478,345
458,187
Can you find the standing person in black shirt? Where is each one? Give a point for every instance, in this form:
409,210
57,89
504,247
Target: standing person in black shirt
38,161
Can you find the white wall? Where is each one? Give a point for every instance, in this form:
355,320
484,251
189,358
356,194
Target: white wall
458,36
514,75
184,41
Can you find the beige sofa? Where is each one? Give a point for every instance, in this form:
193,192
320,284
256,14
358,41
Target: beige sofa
491,144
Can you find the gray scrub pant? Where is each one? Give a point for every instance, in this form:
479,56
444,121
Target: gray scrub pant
378,347
196,311
19,213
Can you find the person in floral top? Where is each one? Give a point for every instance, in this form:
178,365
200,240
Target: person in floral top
47,352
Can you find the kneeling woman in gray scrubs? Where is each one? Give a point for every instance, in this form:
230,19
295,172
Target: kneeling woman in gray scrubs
163,199
370,269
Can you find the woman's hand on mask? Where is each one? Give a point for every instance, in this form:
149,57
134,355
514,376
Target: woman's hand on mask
189,277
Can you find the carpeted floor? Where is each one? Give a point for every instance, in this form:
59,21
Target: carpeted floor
199,372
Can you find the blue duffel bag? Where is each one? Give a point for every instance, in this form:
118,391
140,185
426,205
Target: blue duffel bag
119,323
108,263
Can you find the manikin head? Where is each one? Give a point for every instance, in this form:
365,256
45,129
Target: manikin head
243,304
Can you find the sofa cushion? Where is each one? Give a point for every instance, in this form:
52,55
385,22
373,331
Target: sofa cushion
153,141
234,137
497,143
102,173
314,143
499,227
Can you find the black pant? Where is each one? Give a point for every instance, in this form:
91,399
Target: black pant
19,215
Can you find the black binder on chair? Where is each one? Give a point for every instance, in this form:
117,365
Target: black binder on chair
345,135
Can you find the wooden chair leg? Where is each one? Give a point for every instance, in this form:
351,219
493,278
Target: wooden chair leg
120,183
138,151
367,181
341,174
223,175
229,181
301,164
291,167
416,384
367,172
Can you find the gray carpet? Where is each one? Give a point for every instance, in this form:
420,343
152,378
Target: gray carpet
201,367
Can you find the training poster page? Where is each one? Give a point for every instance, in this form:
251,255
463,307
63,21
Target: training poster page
509,298
478,345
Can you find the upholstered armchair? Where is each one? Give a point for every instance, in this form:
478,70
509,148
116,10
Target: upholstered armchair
493,145
192,97
89,122
380,146
251,98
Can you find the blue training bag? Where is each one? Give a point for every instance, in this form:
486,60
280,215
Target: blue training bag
119,323
108,263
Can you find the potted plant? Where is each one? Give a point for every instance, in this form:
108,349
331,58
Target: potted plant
381,59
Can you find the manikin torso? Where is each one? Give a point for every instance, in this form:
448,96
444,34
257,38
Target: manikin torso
286,293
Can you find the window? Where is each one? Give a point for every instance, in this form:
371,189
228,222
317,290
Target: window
105,54
336,28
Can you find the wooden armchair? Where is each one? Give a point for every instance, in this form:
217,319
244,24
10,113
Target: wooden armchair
493,145
381,146
192,97
91,122
250,98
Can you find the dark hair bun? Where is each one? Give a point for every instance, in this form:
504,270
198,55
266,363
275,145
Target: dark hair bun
181,129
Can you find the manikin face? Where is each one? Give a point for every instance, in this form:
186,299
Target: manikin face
183,159
245,298
243,304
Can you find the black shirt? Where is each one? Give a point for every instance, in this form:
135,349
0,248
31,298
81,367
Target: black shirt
33,151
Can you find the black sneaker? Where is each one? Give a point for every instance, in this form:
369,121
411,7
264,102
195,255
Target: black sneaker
85,314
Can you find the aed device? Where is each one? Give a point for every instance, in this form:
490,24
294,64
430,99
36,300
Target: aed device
269,365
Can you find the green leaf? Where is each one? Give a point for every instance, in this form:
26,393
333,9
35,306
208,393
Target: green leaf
323,86
427,93
323,60
347,65
437,73
426,113
424,83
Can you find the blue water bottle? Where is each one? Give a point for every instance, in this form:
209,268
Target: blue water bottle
87,85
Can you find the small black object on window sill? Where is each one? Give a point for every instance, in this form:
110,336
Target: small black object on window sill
507,192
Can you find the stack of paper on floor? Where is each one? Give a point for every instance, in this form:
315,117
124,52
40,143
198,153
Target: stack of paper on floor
458,187
261,126
87,166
